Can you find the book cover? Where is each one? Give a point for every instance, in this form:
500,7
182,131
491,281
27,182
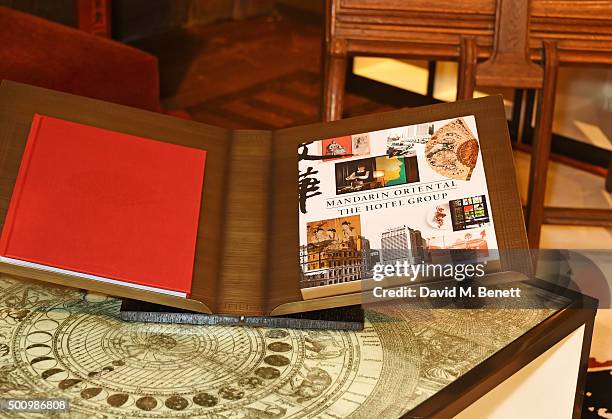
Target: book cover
408,195
96,203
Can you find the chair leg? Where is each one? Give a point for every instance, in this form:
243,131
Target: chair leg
333,86
542,143
431,78
609,178
468,60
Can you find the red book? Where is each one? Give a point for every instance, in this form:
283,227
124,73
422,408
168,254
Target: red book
105,205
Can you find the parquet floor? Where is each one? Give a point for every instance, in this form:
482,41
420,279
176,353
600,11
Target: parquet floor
262,73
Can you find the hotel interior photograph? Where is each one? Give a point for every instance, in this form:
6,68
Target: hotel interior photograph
306,208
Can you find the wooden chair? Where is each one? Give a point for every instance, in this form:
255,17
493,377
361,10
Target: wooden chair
510,65
506,34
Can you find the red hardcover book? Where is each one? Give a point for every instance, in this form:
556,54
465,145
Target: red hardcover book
105,205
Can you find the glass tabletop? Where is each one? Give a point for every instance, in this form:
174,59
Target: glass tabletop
61,343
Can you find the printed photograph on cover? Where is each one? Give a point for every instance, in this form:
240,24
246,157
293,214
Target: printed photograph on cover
375,172
346,146
334,253
361,144
469,212
458,246
419,195
453,150
402,143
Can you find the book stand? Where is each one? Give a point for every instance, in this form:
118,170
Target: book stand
242,269
343,318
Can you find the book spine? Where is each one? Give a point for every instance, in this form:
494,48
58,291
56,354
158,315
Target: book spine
21,178
241,289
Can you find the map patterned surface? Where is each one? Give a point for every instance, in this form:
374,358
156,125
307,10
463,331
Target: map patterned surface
61,343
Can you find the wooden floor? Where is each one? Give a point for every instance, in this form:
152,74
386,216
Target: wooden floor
258,73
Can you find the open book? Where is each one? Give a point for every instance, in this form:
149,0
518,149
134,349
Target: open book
286,221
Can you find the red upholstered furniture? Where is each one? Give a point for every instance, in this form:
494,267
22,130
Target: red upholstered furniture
46,54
